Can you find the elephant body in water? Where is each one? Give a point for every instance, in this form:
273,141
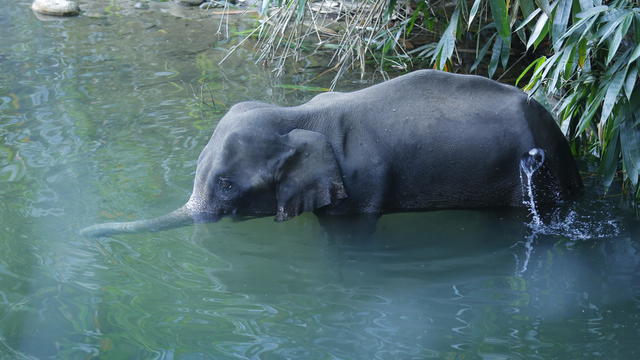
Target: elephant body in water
423,141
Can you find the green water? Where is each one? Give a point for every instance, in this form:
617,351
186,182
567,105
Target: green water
103,116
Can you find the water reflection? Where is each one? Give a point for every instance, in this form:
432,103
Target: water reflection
103,116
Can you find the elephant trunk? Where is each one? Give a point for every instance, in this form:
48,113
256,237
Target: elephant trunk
179,217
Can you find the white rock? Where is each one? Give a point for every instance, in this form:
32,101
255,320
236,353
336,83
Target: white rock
56,7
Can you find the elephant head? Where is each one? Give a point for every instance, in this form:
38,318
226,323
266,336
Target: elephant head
251,168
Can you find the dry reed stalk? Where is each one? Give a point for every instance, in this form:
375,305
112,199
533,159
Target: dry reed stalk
281,34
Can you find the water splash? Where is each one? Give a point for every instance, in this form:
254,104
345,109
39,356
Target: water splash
521,268
588,224
580,226
529,164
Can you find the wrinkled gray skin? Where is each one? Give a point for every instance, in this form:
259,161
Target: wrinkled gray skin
423,141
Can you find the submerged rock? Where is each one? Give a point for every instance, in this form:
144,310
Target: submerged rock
56,7
190,2
141,5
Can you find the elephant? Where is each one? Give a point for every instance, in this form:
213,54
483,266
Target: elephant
426,140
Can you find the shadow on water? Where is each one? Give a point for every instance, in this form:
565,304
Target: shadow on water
487,281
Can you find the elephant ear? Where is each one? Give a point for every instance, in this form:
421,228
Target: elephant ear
308,177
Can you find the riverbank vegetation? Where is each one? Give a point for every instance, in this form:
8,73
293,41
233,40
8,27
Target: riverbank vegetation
580,57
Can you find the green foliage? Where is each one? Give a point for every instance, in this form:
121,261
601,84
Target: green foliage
592,71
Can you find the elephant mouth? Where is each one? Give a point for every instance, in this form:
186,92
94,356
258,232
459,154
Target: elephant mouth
212,216
203,212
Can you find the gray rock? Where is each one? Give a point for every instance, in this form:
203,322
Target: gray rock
190,2
56,7
141,5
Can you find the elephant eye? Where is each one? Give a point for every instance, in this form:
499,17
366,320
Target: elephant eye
224,184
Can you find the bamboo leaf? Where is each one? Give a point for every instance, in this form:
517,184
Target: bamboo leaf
636,35
527,7
612,94
568,101
585,25
545,6
634,104
586,4
609,159
571,62
500,17
582,52
617,37
522,36
482,53
425,51
535,63
592,11
537,30
548,65
621,62
631,81
450,41
635,54
586,22
447,42
560,21
528,19
534,82
495,56
512,8
474,11
560,66
609,28
505,51
630,146
615,12
592,105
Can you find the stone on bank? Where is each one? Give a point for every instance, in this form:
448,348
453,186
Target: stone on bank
56,7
